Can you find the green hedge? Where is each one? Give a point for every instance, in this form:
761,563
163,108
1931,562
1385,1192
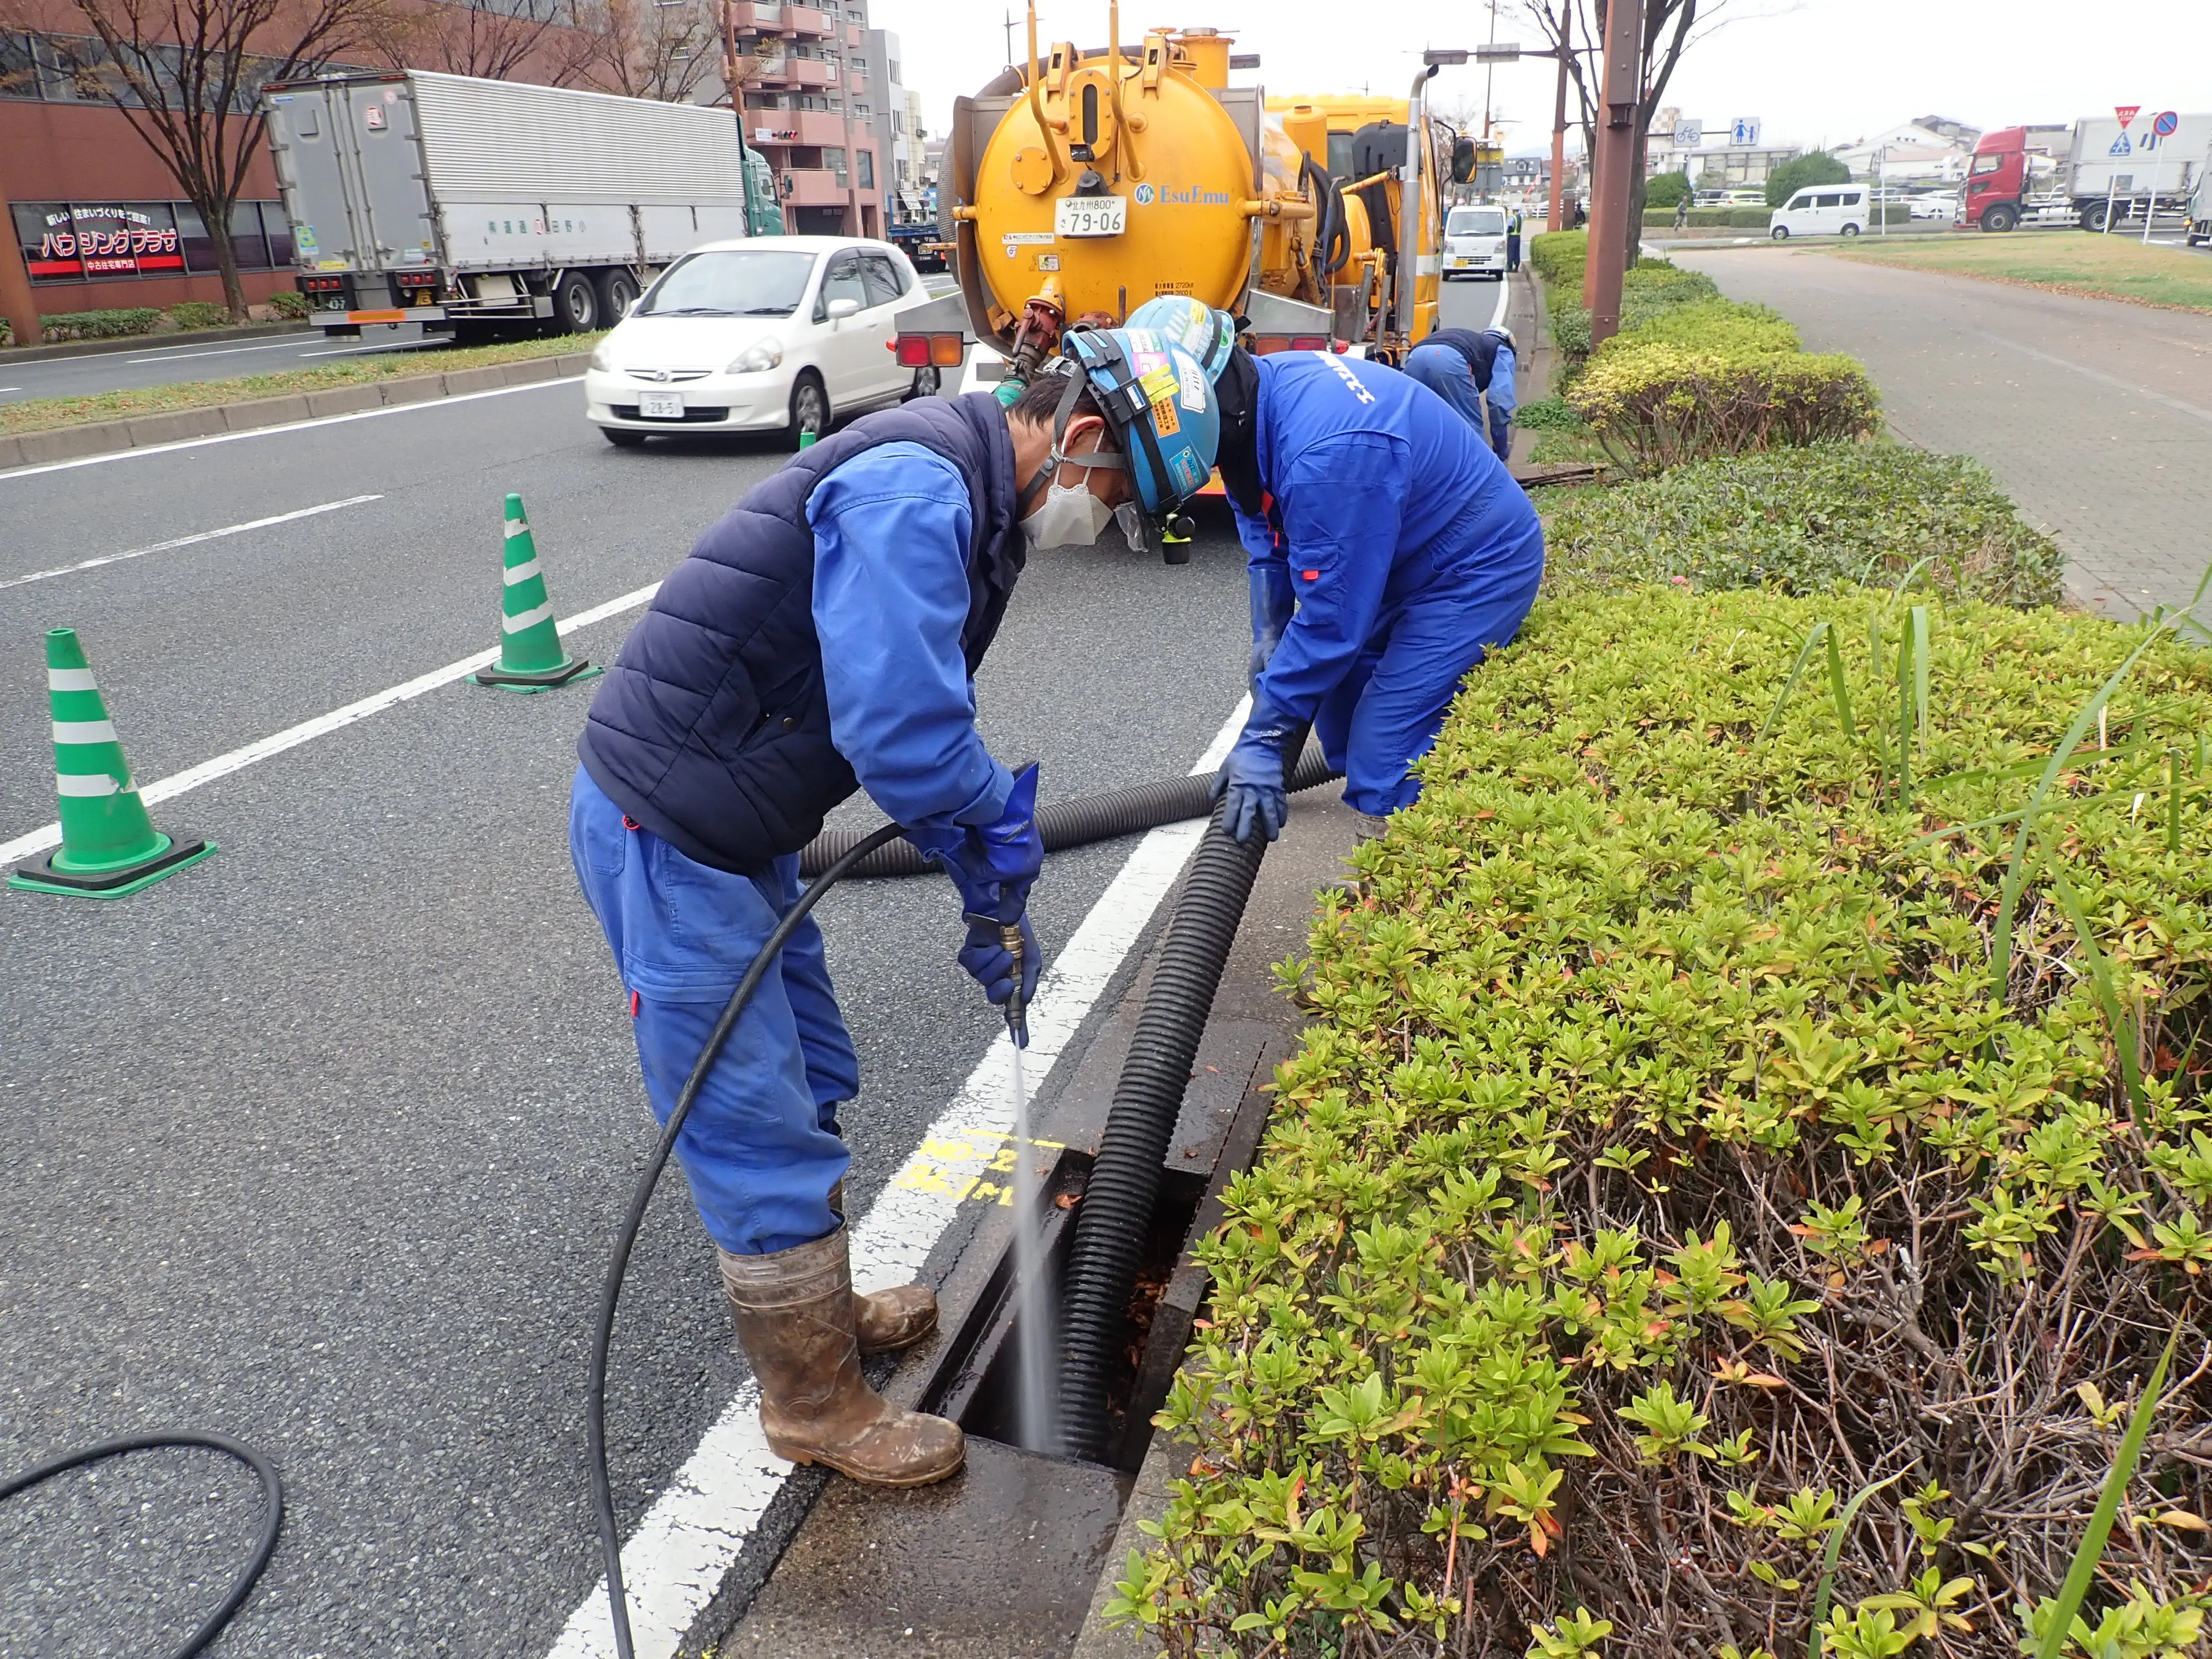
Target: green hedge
1654,404
1708,218
1662,1198
288,303
200,313
101,325
1805,520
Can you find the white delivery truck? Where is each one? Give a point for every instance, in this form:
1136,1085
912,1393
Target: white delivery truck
467,205
2200,204
2127,173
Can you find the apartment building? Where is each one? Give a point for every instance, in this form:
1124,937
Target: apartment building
810,106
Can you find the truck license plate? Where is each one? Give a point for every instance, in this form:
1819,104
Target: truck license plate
1090,216
660,405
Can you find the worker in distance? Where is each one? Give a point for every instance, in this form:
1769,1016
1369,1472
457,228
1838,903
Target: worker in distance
1389,552
824,637
1473,371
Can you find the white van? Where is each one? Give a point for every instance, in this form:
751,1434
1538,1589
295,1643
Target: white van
1820,210
1474,243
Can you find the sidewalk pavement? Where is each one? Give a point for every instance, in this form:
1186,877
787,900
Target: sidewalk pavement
2096,415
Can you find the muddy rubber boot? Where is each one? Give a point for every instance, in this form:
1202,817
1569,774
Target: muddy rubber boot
889,1319
795,1317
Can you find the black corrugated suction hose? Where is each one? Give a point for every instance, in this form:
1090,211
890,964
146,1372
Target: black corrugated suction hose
1115,1218
1067,823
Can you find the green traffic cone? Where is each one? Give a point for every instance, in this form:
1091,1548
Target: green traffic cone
109,845
530,658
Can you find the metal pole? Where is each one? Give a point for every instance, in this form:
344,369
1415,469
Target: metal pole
2158,163
1556,220
1489,74
18,302
1612,189
1406,296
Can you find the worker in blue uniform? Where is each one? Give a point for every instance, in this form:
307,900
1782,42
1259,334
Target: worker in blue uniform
823,637
1473,371
1387,550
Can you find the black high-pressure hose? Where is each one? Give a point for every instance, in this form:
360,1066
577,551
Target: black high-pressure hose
1066,823
1115,1218
595,1398
272,1508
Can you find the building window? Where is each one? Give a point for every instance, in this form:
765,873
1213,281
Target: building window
867,161
861,112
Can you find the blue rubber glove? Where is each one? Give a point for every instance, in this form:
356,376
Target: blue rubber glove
1251,780
1273,604
995,865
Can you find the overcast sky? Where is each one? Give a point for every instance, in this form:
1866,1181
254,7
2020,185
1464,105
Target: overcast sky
1814,70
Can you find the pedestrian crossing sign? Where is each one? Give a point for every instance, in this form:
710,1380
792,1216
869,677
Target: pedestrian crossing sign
2121,147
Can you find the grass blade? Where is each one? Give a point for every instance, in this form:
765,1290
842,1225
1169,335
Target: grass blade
1816,1644
2125,1038
2076,1589
2009,900
1841,689
1907,638
1804,655
1920,669
2173,801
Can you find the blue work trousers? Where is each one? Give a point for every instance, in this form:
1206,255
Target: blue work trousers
1445,373
1385,714
761,1148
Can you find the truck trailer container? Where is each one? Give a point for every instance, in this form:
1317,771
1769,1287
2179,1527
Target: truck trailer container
2110,174
468,205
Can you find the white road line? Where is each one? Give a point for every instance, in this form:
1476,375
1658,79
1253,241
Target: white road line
675,1561
1504,292
292,736
186,541
211,351
289,426
355,351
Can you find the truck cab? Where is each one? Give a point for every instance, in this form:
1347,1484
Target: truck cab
1996,179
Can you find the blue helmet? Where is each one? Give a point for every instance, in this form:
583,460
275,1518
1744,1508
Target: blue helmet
1159,401
1206,334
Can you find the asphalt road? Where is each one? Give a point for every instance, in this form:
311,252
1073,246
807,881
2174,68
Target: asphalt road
156,364
318,1143
2092,413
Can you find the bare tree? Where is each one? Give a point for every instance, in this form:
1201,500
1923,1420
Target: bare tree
493,40
663,49
1671,27
187,75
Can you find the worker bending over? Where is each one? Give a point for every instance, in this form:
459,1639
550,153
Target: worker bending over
1470,371
1388,548
823,637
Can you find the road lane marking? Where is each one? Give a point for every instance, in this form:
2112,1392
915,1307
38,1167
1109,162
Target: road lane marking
211,351
1504,292
289,426
292,736
355,351
2098,375
675,1561
187,541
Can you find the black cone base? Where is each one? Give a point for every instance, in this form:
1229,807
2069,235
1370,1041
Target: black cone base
546,677
40,876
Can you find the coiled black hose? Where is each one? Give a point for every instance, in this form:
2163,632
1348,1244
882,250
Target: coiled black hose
272,1508
1070,823
1116,1216
595,1392
1331,236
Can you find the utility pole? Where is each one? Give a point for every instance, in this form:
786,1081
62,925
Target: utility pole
1009,39
1557,220
736,84
1489,74
1620,85
17,303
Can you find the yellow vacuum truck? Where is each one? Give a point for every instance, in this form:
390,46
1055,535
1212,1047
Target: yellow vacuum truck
1080,184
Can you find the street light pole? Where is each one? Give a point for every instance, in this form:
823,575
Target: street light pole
1556,220
1621,81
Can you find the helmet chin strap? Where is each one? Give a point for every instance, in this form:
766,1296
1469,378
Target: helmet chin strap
1059,456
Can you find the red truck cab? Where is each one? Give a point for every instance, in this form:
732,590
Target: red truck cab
1996,179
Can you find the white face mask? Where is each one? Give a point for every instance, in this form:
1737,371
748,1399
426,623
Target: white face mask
1070,517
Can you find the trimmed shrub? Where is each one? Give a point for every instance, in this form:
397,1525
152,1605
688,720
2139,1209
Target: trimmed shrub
101,325
1805,520
1665,189
1666,1228
1654,404
1712,326
288,303
199,313
1558,256
1712,218
1815,167
1547,415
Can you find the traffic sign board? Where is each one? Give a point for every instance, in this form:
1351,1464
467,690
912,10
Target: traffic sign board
1744,129
2126,112
2164,122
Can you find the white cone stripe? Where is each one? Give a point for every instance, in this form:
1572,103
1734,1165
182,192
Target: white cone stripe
675,1561
529,618
517,527
84,731
86,784
277,743
521,573
71,679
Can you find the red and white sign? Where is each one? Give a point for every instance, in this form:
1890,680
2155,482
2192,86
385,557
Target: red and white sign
2127,113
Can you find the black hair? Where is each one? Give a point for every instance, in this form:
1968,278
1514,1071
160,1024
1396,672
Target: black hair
1039,406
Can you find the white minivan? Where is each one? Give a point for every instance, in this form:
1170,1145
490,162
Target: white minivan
1820,210
1474,242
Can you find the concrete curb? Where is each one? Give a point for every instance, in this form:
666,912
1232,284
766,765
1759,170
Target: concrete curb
68,443
183,337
